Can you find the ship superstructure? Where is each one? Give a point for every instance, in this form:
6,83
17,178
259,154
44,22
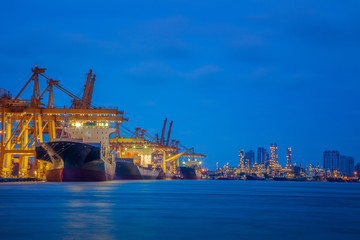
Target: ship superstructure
191,166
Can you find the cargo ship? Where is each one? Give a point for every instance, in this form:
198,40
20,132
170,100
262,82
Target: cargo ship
253,177
127,170
190,170
82,153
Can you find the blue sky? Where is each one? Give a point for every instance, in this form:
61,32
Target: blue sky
230,74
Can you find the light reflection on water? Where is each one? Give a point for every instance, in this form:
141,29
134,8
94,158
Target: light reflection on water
180,210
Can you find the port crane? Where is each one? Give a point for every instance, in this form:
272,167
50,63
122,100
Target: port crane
139,144
28,121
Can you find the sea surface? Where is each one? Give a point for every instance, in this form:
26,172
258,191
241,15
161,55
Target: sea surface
180,210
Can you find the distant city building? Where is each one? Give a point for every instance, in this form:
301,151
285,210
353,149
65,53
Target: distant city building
261,155
331,160
250,158
267,158
346,165
357,169
288,158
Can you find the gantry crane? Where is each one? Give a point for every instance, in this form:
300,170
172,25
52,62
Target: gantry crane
139,144
26,122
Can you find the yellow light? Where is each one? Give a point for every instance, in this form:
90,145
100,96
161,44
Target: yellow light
145,146
77,124
200,162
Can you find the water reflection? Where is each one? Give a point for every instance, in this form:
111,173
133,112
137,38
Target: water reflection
180,210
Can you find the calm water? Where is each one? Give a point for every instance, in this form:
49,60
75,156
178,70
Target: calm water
180,210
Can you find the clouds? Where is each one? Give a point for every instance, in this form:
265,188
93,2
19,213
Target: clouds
259,66
159,74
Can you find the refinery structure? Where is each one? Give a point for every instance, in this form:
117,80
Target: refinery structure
335,167
29,121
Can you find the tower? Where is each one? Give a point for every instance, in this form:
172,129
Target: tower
273,155
241,159
288,158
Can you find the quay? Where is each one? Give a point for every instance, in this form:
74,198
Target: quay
2,180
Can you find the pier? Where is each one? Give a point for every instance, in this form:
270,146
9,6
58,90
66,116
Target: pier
28,120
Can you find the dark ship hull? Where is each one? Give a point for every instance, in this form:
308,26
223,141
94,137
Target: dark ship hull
335,179
188,173
75,162
296,179
253,177
127,170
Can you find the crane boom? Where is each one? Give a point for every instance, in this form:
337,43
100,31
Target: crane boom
169,133
88,103
163,132
86,90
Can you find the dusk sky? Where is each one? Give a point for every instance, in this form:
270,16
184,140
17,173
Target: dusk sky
230,74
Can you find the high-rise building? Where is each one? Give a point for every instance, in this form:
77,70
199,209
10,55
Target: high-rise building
267,158
357,169
250,158
346,165
288,158
331,160
261,155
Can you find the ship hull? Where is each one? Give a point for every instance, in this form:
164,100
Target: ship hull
167,176
253,178
127,170
75,162
189,173
76,175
